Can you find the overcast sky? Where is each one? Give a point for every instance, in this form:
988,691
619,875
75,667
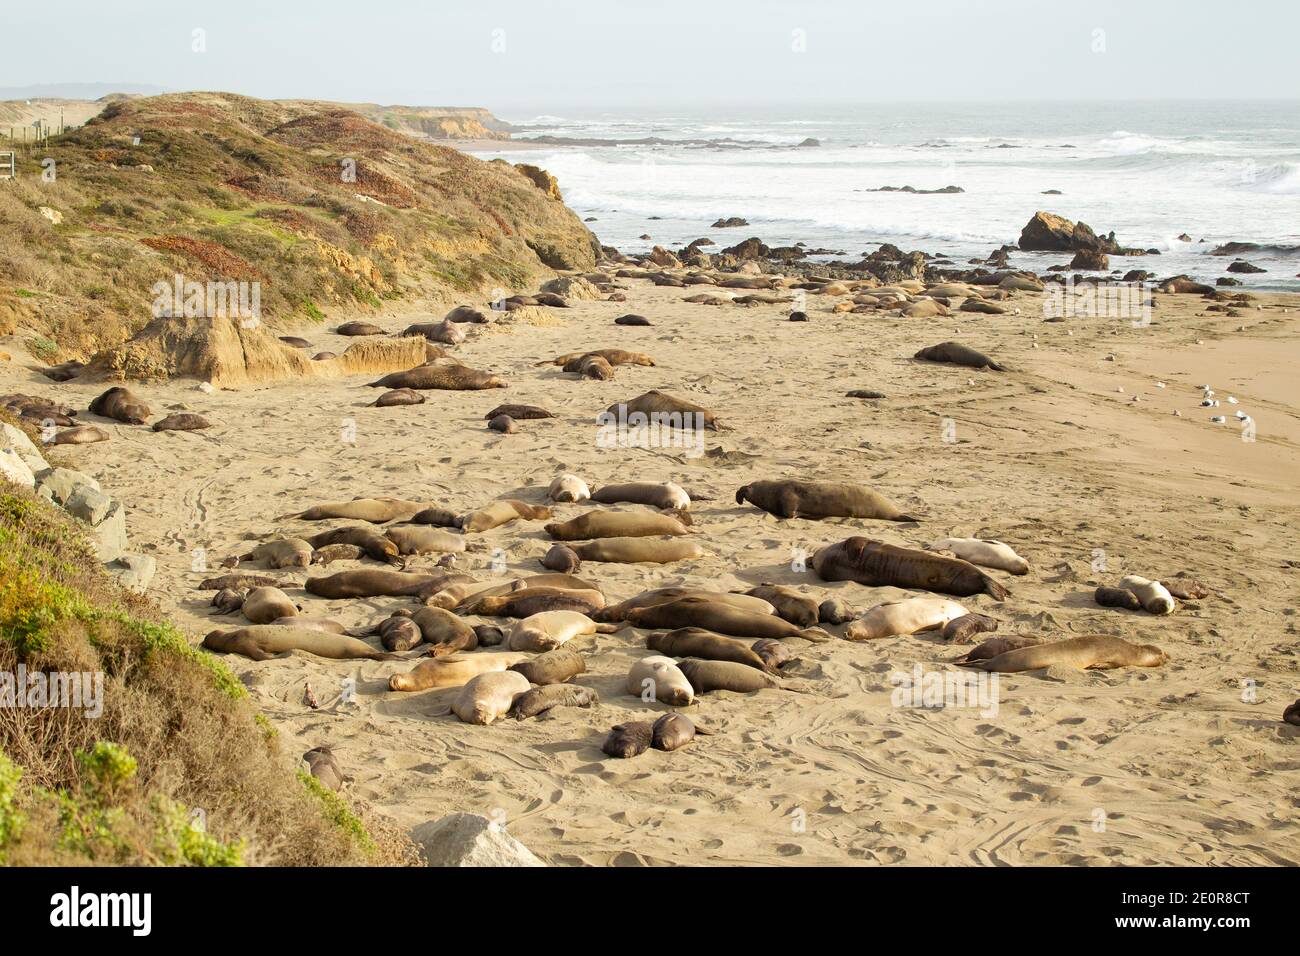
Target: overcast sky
533,56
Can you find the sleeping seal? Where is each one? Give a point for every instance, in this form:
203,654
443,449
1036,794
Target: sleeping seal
261,642
541,699
453,671
629,740
790,498
672,731
667,495
121,404
721,618
707,676
619,612
1096,651
526,601
451,376
659,678
904,617
550,629
374,510
1155,598
488,696
799,609
986,553
697,642
877,564
615,524
638,550
264,605
501,512
954,353
568,487
553,667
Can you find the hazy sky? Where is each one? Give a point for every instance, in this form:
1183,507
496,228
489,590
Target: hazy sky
519,58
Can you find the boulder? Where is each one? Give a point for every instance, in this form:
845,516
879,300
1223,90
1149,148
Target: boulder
15,469
89,504
662,257
110,534
1091,260
731,222
573,287
60,484
133,571
1244,267
1184,285
1047,232
468,839
15,440
751,248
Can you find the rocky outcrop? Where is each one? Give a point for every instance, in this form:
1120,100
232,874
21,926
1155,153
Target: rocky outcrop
1047,232
1245,268
751,248
542,180
946,190
731,222
1090,260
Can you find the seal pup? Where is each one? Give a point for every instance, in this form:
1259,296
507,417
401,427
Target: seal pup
336,552
904,617
548,630
503,424
961,630
181,422
1095,652
1117,597
489,635
619,612
453,671
449,376
877,564
661,679
368,540
1155,598
707,676
998,645
799,609
638,550
773,653
541,699
553,667
791,498
954,353
612,356
1187,589
358,328
438,517
266,604
591,366
501,512
834,611
667,494
984,552
615,524
720,618
697,642
568,487
674,731
229,600
374,510
631,319
397,632
322,765
281,553
629,740
80,435
398,396
262,642
121,404
424,539
561,558
488,696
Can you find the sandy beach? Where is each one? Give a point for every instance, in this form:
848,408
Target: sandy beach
1186,763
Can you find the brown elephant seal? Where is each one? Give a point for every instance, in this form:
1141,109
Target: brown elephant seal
239,580
953,353
664,409
638,550
591,366
962,630
697,642
446,632
502,512
64,371
181,422
438,517
834,611
378,582
424,539
612,356
398,632
561,558
629,740
631,319
519,413
568,487
358,328
368,540
488,697
615,524
721,618
229,600
864,393
1117,597
707,676
790,498
466,313
877,564
281,553
659,678
398,396
998,645
619,612
374,510
799,609
266,604
261,642
294,341
322,765
503,424
322,356
454,671
526,602
667,494
773,653
489,635
541,699
80,435
450,376
444,332
1096,651
121,404
553,667
337,552
1187,589
1155,597
673,731
1292,714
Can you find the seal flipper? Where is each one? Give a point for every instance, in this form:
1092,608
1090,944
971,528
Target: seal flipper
609,628
995,590
815,634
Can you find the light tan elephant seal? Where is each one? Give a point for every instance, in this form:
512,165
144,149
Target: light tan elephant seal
1096,651
790,498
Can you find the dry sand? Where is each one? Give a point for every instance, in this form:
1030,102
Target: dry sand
1160,766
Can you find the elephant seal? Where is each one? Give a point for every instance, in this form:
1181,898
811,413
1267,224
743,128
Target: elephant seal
379,582
877,564
706,676
661,678
955,354
998,645
612,356
519,412
665,494
337,552
799,609
526,602
453,671
489,635
121,404
80,435
398,632
615,524
266,604
629,740
541,699
239,580
446,632
697,642
662,409
294,341
1096,651
358,328
619,612
961,630
322,765
1117,597
450,376
466,313
673,731
591,366
371,542
423,539
1187,590
631,319
262,642
1292,714
323,624
548,630
503,424
488,696
561,558
374,510
553,667
568,487
229,600
986,553
1155,598
501,512
398,396
790,498
281,553
638,550
834,611
773,654
438,517
721,618
181,422
904,617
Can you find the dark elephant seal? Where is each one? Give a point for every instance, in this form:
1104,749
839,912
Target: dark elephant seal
322,356
672,731
667,410
561,558
721,618
338,552
122,405
450,377
591,366
1117,597
229,600
260,643
631,319
998,645
552,667
241,580
446,632
954,353
697,642
439,517
1292,714
612,356
615,524
379,582
504,424
374,510
799,609
834,611
541,699
629,740
182,422
398,396
80,435
489,635
398,632
527,601
773,653
322,765
619,612
790,498
466,313
519,412
706,676
294,341
371,542
358,328
877,564
961,630
1096,651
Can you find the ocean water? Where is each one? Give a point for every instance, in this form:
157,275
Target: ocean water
1150,171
